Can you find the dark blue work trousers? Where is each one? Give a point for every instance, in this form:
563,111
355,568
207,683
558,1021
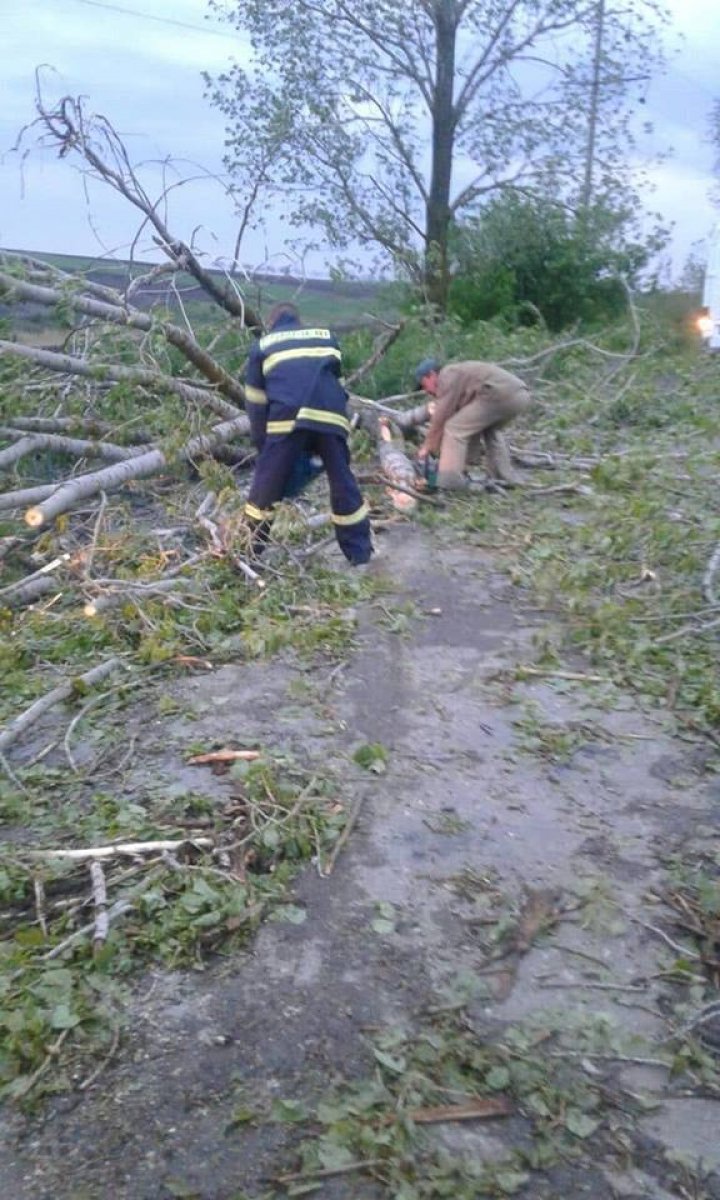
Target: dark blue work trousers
272,471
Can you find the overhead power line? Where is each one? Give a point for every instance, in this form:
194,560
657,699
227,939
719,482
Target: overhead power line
146,16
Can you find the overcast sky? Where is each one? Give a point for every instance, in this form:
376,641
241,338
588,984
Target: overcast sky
142,69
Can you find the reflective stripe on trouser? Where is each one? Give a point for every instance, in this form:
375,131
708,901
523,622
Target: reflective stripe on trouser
484,418
273,470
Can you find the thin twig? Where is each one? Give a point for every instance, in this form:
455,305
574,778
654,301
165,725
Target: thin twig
86,1083
683,951
347,830
366,1164
52,1053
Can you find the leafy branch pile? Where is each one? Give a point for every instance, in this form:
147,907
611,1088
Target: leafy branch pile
396,1125
196,878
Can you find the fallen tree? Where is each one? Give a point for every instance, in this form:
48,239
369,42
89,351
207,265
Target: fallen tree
70,493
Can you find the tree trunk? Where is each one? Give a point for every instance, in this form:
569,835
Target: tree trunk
397,469
68,494
437,221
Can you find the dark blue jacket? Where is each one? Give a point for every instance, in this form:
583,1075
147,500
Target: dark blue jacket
293,382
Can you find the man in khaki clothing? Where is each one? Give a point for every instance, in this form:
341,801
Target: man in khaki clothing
473,400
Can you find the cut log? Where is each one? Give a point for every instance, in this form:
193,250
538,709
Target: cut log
26,593
64,690
110,600
224,756
24,496
139,466
397,469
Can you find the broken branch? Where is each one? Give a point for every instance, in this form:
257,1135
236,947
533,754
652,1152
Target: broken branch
63,692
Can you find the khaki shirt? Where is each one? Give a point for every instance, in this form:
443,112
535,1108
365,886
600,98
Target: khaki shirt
462,383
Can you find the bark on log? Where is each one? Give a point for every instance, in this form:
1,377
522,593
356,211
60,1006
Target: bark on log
14,453
397,469
26,593
154,380
86,425
99,891
25,496
77,447
64,690
140,466
72,426
109,600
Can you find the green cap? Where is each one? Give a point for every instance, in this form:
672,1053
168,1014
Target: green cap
425,368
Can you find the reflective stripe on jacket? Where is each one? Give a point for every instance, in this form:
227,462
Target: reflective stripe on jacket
293,382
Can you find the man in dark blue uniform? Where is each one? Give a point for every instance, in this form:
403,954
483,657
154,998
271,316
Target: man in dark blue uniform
297,408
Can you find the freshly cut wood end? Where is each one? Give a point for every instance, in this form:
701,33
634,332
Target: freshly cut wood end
34,518
402,502
90,609
225,756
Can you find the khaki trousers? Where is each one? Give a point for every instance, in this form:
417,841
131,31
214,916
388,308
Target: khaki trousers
478,423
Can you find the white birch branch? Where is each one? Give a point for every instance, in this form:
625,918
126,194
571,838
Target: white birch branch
70,493
102,923
26,719
121,848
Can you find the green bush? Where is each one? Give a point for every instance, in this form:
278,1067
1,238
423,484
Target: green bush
531,260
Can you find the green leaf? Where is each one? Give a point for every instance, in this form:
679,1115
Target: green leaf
332,1155
579,1123
291,914
289,1111
510,1182
62,1017
497,1078
240,1116
394,1063
372,757
538,1104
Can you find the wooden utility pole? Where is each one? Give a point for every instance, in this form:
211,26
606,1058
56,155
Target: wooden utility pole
594,114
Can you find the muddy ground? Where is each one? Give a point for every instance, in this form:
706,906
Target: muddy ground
468,792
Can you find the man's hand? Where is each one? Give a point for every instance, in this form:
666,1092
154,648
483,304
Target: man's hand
422,453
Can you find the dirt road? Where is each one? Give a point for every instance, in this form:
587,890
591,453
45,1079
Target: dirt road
507,866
